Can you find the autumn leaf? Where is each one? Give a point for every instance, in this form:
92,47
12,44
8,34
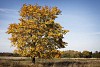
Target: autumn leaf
37,34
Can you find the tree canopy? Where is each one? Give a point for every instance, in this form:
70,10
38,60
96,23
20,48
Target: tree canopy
37,34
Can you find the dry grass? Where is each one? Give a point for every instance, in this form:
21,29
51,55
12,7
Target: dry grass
66,62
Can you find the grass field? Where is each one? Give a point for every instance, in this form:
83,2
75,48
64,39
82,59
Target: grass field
63,62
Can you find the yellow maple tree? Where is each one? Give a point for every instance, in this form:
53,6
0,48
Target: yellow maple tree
37,34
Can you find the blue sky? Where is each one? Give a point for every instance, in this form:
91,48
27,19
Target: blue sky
81,17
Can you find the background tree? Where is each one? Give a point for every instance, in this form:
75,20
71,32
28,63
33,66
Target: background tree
78,54
71,54
96,54
86,54
37,34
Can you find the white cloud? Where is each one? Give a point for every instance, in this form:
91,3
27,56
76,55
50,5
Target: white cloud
4,10
2,31
96,33
92,33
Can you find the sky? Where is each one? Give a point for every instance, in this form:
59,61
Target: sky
80,17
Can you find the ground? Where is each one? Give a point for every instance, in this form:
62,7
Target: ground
62,62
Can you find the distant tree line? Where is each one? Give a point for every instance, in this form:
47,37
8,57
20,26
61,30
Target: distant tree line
77,54
66,54
9,54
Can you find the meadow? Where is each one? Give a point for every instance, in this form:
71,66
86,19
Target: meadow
61,62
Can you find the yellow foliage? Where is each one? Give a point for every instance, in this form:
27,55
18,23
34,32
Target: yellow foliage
57,56
37,33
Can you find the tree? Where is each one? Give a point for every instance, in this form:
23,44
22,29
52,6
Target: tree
71,54
87,54
37,34
96,54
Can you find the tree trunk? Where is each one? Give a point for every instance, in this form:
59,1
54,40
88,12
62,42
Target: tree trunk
33,60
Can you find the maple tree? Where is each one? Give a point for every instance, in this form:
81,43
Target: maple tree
37,34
